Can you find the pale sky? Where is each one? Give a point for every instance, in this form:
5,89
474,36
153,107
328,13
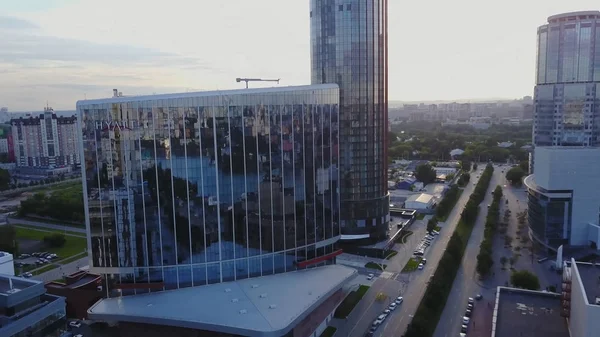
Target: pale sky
60,51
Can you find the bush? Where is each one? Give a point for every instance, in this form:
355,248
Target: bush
431,224
428,313
55,240
515,174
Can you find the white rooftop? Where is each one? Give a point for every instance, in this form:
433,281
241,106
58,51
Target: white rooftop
422,197
263,306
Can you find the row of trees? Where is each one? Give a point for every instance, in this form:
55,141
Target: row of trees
485,260
447,204
464,179
425,320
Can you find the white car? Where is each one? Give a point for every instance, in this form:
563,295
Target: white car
392,306
420,266
465,320
399,300
75,324
370,277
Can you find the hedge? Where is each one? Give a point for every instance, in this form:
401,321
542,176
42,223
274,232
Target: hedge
484,258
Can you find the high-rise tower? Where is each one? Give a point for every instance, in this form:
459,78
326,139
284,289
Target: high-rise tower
562,202
349,47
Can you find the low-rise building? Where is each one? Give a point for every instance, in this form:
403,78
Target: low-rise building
26,309
81,290
581,298
520,312
421,202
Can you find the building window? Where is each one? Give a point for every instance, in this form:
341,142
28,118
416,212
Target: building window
341,7
348,7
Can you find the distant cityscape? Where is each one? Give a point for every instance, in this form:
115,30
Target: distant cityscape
313,210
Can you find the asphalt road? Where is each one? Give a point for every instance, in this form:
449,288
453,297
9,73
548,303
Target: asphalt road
46,225
63,270
465,284
409,285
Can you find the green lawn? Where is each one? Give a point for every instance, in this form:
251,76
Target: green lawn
350,302
411,265
373,265
50,221
73,245
328,332
44,269
420,216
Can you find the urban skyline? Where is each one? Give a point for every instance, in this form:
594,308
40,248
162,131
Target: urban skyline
41,33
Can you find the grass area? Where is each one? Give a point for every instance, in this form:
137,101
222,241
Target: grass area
411,265
44,269
73,245
328,332
420,216
437,228
350,302
404,237
373,265
40,229
391,254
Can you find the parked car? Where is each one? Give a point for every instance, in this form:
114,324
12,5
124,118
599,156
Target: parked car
424,261
75,324
468,313
465,320
420,266
392,306
370,277
471,300
464,328
399,300
478,297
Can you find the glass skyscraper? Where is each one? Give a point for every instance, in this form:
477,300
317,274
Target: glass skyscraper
567,92
562,190
349,47
198,188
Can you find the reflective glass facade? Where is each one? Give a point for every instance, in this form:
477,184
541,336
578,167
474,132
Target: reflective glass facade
549,218
567,94
199,188
349,47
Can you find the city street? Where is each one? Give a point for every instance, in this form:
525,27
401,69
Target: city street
63,270
409,285
465,284
46,225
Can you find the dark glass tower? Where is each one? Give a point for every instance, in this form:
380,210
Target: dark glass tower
349,47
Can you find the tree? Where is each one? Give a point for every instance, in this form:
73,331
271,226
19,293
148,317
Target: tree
515,174
524,279
465,165
56,240
524,165
425,174
450,177
431,224
8,239
4,179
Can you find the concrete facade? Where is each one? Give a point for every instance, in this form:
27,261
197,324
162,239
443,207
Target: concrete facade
563,203
584,316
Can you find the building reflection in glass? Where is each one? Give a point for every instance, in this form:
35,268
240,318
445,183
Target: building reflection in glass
199,188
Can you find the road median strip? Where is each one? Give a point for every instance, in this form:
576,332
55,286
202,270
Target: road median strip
348,304
434,299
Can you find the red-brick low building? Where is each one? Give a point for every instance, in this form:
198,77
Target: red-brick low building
81,291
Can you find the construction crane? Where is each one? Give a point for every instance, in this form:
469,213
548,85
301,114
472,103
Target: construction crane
254,80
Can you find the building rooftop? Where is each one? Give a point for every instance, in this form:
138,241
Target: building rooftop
520,312
422,197
573,16
10,284
250,91
264,306
590,277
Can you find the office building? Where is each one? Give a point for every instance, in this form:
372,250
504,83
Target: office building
7,265
205,190
349,47
45,141
566,132
26,309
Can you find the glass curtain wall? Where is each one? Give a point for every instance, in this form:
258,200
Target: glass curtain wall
193,190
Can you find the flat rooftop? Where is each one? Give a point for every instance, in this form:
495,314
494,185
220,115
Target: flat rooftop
15,283
263,306
528,313
590,277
